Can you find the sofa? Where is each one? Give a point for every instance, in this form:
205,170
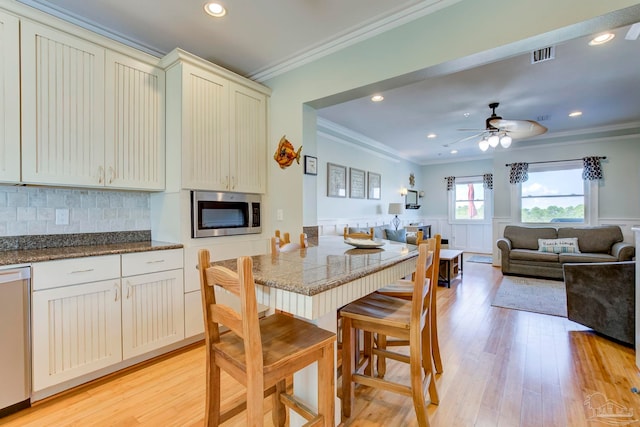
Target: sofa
541,251
602,296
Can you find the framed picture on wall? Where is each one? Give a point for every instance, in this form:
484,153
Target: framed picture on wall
336,180
374,185
310,165
357,183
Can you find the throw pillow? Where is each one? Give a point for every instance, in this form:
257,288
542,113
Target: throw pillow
559,246
396,235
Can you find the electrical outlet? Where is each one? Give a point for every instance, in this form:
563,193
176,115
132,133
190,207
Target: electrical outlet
62,216
279,215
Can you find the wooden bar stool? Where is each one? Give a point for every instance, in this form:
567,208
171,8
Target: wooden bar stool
395,317
285,245
260,354
404,289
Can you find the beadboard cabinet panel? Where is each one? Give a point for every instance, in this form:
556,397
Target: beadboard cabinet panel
205,130
62,108
152,311
9,98
76,330
92,117
91,313
134,135
221,120
248,131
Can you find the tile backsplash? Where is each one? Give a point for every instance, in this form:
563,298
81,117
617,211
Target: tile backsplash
32,210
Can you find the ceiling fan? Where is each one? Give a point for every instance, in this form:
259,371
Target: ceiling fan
502,131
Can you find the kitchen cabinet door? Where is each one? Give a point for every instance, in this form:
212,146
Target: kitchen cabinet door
76,330
134,133
152,311
9,99
62,108
248,152
205,130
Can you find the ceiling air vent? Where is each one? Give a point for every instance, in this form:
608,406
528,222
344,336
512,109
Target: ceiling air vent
544,54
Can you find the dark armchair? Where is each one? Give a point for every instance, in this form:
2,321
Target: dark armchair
602,297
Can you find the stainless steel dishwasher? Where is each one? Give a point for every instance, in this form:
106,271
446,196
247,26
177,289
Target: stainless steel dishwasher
15,339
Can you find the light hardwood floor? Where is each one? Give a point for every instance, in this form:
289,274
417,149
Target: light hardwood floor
501,368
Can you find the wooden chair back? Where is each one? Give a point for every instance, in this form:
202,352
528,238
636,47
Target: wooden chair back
379,316
245,323
279,245
358,234
262,354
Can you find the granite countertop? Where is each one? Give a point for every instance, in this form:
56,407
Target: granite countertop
27,249
328,265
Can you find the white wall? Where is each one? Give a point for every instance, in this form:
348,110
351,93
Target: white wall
394,176
452,33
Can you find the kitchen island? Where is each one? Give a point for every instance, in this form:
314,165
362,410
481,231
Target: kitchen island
313,283
316,281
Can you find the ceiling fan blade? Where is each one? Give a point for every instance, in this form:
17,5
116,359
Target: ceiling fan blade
519,129
463,139
471,130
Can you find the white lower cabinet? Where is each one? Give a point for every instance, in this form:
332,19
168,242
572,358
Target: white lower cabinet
134,304
152,303
76,330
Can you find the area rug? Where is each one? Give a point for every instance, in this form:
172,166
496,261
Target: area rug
480,258
536,295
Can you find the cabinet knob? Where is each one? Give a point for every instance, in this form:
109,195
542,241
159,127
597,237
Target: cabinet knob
100,175
111,174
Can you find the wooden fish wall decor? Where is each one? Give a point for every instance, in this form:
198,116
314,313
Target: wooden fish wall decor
285,153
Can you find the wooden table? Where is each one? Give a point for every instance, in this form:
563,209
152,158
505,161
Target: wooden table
313,283
451,260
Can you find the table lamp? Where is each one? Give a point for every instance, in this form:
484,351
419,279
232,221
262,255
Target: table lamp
396,209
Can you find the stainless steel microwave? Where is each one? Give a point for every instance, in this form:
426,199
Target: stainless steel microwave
224,214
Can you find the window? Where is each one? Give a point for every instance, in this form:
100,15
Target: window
554,193
469,201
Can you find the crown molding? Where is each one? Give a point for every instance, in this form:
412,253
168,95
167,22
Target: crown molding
90,25
350,37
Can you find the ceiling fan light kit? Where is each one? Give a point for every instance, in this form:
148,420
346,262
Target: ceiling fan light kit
497,131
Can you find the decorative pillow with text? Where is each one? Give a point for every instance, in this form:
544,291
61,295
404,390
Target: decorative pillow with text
568,245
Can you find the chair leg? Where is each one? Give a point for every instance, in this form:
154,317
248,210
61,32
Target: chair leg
433,322
326,385
212,404
255,402
427,365
368,352
348,343
279,411
418,377
381,363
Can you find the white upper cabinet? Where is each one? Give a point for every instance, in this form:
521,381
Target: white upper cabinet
134,134
205,129
91,116
220,120
9,99
248,153
62,108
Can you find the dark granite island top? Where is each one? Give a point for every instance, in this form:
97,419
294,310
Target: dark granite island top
318,280
26,249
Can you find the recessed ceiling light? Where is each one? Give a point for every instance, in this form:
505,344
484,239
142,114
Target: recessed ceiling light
431,135
215,9
454,151
575,114
602,39
377,98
